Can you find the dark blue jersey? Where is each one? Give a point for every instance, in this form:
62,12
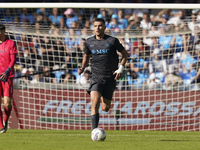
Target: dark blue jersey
104,55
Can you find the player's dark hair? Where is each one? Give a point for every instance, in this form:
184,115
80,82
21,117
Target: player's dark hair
2,27
100,20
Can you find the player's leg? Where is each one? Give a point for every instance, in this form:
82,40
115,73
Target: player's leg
95,91
95,98
8,91
7,110
107,94
106,104
1,115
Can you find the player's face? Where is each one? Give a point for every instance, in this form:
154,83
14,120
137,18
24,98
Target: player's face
99,28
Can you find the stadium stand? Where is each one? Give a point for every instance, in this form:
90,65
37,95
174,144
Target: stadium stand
161,44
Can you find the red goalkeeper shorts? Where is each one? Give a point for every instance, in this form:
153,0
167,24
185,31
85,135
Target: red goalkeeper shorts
6,88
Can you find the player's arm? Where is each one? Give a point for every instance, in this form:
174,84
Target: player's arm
4,76
85,62
13,53
86,58
124,57
122,64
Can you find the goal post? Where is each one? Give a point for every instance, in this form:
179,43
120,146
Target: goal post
159,89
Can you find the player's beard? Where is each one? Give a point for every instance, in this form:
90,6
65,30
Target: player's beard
100,34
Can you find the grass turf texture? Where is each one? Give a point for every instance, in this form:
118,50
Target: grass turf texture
115,140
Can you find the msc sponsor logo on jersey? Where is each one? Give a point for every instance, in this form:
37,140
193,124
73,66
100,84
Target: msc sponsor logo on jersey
93,51
3,51
91,45
100,51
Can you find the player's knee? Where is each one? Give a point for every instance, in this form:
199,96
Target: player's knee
7,105
7,102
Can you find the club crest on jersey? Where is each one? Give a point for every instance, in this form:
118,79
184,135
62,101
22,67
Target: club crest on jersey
100,51
107,45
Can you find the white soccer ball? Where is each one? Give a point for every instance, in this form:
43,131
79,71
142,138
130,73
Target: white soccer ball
98,134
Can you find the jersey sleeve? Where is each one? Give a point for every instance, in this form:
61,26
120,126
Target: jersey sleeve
86,49
118,46
13,48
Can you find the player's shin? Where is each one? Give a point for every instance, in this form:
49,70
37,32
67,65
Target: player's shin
7,113
95,113
7,108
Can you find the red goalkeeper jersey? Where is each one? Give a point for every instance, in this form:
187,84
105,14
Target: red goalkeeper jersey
7,48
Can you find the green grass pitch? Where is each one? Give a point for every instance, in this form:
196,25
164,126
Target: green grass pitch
115,140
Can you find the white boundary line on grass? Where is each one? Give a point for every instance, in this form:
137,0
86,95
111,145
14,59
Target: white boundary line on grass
125,135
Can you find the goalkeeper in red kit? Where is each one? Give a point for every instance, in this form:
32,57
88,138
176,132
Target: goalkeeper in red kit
8,53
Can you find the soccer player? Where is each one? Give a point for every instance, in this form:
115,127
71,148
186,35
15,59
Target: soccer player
104,68
8,53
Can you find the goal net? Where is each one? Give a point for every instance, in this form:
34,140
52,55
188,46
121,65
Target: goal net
159,89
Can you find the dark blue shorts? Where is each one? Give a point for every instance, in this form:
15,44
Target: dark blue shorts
106,88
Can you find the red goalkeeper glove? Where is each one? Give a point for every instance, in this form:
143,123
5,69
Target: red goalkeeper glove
4,76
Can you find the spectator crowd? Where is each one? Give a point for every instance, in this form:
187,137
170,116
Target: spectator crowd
163,45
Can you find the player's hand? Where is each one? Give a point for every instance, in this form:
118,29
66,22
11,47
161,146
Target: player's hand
118,72
118,76
80,71
4,76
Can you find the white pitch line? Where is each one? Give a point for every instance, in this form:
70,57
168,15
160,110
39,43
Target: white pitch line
126,135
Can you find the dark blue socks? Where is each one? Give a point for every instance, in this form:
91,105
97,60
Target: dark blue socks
95,121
